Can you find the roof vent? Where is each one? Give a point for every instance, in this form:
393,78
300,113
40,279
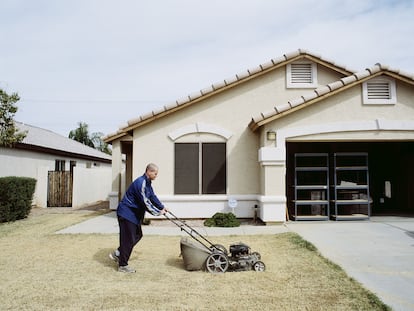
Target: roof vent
380,91
301,75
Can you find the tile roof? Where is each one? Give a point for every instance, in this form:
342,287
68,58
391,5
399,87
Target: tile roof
328,90
223,85
49,140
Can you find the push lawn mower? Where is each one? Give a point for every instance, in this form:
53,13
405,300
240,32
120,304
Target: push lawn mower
214,257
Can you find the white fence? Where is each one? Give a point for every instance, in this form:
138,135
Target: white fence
90,185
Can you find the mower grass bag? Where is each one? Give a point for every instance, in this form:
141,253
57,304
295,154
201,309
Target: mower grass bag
194,254
200,254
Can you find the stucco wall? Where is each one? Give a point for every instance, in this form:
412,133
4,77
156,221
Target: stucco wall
17,162
231,111
90,185
345,117
254,178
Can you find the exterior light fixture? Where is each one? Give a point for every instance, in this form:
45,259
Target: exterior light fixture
271,135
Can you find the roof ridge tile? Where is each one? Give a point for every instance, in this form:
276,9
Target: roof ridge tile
349,79
335,85
322,90
292,54
296,102
278,60
255,70
310,96
361,75
242,75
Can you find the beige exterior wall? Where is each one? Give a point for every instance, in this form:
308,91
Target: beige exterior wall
90,185
228,112
256,167
345,117
339,118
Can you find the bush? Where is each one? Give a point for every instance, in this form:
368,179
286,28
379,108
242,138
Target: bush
222,220
16,194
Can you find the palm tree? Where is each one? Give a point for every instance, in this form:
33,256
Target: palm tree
81,134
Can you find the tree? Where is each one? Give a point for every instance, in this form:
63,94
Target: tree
9,133
99,144
81,134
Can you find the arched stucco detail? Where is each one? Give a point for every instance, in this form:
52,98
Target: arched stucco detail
276,155
200,128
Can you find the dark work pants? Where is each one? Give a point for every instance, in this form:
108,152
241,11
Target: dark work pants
129,236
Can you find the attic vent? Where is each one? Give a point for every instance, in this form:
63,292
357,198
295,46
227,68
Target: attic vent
301,75
380,91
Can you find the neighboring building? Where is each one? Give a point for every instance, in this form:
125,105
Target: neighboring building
68,173
298,136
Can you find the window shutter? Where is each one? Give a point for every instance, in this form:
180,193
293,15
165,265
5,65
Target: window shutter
379,90
301,73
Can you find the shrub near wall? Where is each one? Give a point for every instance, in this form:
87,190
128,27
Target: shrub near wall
16,194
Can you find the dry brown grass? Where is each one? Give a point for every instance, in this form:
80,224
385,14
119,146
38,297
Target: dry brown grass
41,270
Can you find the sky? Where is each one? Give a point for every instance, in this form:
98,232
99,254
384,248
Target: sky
104,62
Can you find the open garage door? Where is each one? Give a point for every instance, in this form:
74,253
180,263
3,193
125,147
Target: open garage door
390,167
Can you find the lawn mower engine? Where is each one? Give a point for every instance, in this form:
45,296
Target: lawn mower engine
242,259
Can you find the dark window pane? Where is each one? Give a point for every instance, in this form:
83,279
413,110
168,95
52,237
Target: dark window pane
186,169
214,168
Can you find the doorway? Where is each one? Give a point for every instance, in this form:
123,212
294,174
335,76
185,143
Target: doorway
391,172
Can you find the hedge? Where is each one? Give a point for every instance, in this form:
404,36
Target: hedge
16,194
222,220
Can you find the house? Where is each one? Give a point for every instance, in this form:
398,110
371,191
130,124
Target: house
68,173
298,137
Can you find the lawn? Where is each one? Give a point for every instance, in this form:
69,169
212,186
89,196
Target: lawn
41,270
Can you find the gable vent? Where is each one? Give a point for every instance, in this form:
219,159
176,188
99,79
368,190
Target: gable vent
378,90
301,73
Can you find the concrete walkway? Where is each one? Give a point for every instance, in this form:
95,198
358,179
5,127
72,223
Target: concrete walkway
378,253
108,224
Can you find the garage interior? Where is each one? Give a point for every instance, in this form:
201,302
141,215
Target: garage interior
332,181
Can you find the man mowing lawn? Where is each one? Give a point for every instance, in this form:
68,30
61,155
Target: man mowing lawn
139,198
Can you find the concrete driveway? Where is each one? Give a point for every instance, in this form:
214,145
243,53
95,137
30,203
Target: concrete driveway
378,253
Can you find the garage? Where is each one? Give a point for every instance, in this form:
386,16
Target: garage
349,180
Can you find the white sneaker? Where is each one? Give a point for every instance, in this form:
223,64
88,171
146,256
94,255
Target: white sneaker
126,269
114,256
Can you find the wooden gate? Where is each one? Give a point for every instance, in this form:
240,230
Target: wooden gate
60,185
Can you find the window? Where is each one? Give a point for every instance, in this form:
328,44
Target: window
59,165
301,75
379,91
200,168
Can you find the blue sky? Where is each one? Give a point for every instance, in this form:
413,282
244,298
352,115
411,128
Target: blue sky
105,62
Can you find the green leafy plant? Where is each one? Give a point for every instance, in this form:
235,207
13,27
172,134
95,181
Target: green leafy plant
9,133
16,195
222,220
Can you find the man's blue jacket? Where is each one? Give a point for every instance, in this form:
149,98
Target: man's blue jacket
139,197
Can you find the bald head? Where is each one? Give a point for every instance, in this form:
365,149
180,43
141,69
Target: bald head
151,171
151,167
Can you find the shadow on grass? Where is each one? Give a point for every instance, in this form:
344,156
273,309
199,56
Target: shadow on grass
102,257
176,262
